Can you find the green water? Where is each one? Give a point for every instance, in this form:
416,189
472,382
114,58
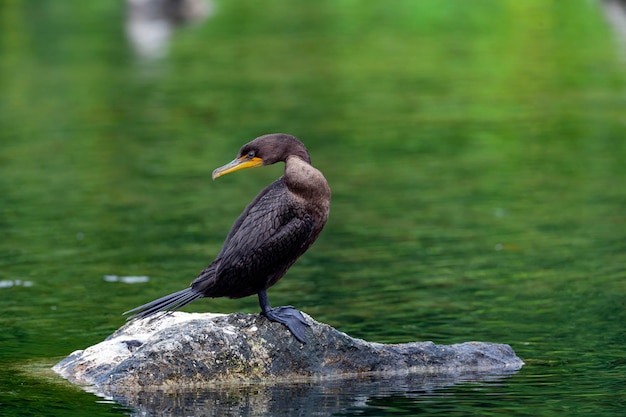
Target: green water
476,152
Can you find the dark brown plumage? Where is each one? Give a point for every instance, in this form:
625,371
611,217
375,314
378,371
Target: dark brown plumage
280,224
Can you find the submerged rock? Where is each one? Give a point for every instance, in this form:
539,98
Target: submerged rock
185,350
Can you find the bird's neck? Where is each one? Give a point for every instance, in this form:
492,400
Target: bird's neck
305,180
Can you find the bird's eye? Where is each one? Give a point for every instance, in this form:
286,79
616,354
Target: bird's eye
250,154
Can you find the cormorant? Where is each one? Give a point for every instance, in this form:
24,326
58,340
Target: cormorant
280,224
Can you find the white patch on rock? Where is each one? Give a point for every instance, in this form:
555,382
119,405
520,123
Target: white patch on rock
121,344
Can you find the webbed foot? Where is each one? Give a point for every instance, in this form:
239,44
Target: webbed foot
290,317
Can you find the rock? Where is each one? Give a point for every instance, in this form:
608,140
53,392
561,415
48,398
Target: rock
183,350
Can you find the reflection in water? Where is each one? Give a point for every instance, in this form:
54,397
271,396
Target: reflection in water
8,283
127,279
345,396
615,12
150,23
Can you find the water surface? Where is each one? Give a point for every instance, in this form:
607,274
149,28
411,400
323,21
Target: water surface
475,151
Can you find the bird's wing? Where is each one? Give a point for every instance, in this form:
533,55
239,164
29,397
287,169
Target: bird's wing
275,190
268,239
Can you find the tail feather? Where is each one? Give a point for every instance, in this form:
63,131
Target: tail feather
171,302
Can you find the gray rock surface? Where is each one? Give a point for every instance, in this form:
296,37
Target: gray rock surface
185,350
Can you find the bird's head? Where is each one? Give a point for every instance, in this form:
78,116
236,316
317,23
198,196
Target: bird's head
265,150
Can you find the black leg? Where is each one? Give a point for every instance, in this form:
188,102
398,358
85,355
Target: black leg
286,315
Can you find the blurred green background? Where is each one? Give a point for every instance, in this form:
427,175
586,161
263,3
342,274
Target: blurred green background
475,150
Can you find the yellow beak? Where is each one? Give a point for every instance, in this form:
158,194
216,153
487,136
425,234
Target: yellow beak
239,163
